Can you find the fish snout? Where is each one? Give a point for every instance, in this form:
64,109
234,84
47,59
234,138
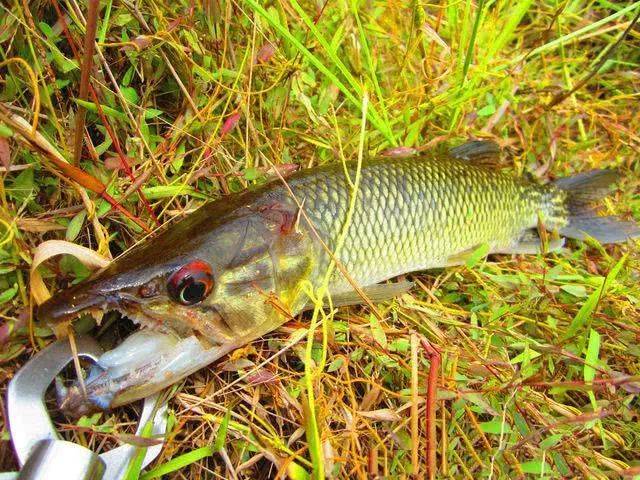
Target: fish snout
68,304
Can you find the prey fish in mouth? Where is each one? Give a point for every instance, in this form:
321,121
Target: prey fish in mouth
239,267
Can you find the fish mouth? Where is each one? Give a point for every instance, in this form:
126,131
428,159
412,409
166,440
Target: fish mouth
146,362
151,358
125,366
68,306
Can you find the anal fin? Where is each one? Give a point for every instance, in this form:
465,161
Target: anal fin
532,247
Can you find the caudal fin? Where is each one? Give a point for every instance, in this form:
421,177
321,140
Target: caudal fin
582,191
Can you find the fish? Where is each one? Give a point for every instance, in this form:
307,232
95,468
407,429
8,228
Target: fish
239,267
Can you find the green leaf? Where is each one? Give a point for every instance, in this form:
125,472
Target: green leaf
130,94
5,132
495,427
575,290
178,462
377,331
88,422
105,22
23,185
487,111
112,112
400,345
75,225
477,255
251,174
150,113
165,191
591,360
535,467
587,309
551,441
560,463
296,472
65,64
46,29
335,364
128,75
177,163
525,356
221,437
520,424
121,19
8,294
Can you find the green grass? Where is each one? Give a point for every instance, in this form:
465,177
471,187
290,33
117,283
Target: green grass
540,358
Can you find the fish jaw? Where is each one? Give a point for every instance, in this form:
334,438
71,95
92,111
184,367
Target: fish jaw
145,363
69,304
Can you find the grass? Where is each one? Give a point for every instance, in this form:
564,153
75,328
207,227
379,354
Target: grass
540,370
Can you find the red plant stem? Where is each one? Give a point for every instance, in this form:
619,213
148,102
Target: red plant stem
105,122
66,170
116,205
87,63
433,354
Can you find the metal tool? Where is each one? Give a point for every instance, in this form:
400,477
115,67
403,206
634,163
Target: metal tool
42,455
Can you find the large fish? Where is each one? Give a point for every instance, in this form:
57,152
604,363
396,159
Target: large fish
241,266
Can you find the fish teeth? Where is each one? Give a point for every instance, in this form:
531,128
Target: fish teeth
97,315
140,319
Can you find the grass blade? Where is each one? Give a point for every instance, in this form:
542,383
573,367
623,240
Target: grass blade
374,118
589,306
590,363
179,462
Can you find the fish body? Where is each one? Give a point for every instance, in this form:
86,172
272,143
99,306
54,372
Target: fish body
414,214
241,266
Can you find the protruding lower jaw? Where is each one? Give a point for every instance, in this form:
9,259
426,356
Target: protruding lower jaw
146,362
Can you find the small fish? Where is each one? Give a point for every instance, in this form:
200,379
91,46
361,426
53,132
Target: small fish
239,267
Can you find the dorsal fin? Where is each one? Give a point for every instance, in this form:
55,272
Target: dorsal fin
481,151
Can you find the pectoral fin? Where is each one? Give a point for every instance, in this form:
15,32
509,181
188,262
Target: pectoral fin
530,244
376,293
473,254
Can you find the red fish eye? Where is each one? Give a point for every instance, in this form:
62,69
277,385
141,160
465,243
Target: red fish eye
192,283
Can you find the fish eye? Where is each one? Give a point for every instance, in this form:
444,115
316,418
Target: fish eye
192,283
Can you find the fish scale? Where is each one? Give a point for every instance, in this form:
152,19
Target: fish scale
416,213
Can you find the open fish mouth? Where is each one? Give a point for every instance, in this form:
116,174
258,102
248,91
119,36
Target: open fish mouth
148,360
145,362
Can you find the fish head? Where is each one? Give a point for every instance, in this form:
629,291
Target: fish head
223,282
193,277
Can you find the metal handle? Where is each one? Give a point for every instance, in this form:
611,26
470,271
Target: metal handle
59,459
35,439
29,420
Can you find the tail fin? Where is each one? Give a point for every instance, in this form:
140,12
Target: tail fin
582,191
